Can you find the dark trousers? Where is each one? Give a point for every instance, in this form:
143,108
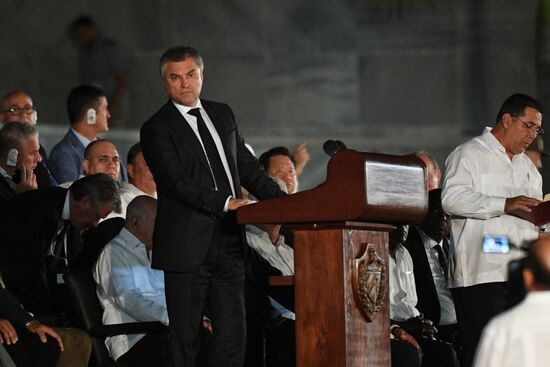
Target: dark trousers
404,354
29,351
151,350
475,307
437,353
215,287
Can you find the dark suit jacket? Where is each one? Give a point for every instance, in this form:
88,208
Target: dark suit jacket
66,158
428,302
190,212
11,309
28,224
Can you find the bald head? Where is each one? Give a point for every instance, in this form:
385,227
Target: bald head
140,219
537,266
18,106
101,156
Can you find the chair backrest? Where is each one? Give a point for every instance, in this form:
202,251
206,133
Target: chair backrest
86,310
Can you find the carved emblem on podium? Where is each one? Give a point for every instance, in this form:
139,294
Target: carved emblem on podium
369,282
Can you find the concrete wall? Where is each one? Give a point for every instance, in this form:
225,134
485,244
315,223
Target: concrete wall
393,78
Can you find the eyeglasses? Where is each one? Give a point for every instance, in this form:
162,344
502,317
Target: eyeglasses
529,125
16,111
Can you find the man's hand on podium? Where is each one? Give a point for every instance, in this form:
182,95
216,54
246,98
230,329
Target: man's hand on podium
235,204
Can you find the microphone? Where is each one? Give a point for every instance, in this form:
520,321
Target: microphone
331,147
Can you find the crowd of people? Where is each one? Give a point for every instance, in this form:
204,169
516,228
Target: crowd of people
182,260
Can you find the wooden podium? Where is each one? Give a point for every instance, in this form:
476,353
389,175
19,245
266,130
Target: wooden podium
341,254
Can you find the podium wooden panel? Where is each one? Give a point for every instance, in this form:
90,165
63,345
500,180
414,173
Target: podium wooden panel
330,329
363,196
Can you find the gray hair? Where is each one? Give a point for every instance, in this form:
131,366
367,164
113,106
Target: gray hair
100,188
180,53
13,135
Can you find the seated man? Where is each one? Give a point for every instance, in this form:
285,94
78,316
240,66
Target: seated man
17,327
34,226
428,245
18,159
17,106
141,181
403,300
100,156
130,291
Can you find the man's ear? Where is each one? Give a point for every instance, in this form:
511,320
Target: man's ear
130,168
506,120
85,165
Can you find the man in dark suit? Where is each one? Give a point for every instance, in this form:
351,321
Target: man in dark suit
428,245
32,224
199,162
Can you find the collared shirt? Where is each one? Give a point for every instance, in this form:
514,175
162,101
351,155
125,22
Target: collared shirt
128,289
518,337
192,121
446,303
479,178
403,297
279,254
81,138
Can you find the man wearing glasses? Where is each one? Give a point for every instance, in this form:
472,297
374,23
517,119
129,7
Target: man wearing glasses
18,106
489,180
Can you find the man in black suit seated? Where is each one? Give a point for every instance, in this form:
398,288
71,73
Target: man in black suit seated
18,157
199,162
33,247
428,245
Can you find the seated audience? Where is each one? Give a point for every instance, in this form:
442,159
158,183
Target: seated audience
520,336
403,300
130,291
88,115
17,106
18,159
428,246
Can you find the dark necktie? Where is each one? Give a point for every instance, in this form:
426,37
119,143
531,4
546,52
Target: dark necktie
442,259
57,249
219,176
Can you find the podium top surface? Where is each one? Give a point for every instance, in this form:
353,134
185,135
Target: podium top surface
364,187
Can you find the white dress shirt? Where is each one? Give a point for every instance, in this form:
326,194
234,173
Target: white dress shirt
403,297
518,337
192,121
279,255
446,303
479,177
128,289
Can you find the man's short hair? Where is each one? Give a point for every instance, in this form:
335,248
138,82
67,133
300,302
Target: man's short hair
81,99
13,136
265,158
133,153
516,104
100,188
535,261
90,147
179,53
